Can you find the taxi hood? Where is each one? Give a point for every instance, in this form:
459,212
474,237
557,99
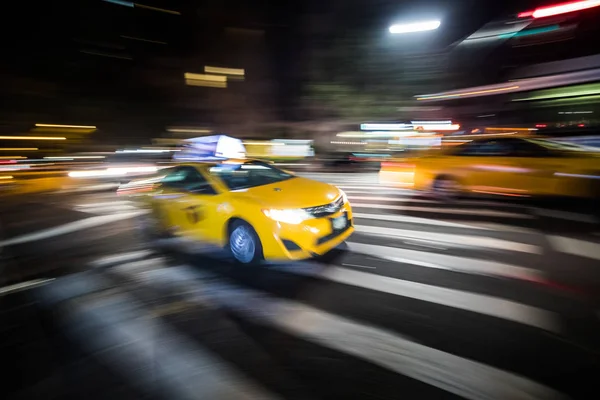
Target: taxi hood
294,193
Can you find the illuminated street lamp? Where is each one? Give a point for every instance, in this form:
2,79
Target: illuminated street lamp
415,27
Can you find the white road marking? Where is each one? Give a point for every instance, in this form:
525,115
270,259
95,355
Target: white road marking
414,199
576,247
70,228
412,220
405,199
461,240
375,187
473,302
487,213
122,258
449,372
131,345
119,203
358,266
24,286
447,262
569,216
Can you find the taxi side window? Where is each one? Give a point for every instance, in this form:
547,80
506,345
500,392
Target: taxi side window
523,148
485,148
187,179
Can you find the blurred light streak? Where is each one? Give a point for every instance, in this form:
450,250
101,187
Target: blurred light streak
143,40
489,91
19,149
529,32
143,151
264,143
95,53
110,172
32,138
558,9
490,135
385,127
511,129
188,130
562,94
120,3
575,112
350,143
65,126
541,126
164,10
74,157
12,158
205,77
195,82
445,122
527,84
454,127
415,27
224,71
6,177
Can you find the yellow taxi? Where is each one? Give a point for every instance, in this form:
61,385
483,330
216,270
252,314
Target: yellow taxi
251,208
508,166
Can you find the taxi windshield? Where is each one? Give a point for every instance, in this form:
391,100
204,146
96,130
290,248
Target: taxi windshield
247,175
556,145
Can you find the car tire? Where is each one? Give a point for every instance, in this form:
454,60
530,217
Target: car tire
446,188
244,244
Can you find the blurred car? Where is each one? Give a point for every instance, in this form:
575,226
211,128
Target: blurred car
509,166
253,209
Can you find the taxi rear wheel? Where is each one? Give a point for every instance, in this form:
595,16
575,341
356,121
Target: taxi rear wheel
244,243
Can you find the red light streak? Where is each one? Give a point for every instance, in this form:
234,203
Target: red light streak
558,9
541,126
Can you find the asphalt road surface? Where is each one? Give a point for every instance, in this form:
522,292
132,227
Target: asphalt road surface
477,299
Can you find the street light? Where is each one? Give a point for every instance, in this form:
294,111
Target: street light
415,27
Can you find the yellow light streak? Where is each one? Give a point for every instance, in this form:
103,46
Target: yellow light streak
65,126
32,138
224,71
446,96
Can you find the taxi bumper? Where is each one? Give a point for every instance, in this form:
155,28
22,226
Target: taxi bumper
313,237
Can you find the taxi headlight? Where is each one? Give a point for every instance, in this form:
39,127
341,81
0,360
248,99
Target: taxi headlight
291,216
344,196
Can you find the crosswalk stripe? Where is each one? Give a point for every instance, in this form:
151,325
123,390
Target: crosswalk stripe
69,228
373,187
477,303
487,213
411,198
122,258
463,240
447,262
576,247
566,215
416,220
130,346
106,204
449,372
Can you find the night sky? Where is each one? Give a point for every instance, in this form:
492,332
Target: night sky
82,61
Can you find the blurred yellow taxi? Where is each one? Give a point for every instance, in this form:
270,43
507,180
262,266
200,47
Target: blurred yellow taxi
251,208
509,166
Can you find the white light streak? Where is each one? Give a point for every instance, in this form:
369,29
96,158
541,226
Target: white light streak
415,27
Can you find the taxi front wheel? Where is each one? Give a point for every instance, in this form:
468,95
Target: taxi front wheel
446,188
244,243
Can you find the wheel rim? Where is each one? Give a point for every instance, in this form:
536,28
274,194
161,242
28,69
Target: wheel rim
242,244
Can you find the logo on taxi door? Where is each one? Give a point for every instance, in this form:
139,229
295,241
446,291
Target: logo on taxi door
194,214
